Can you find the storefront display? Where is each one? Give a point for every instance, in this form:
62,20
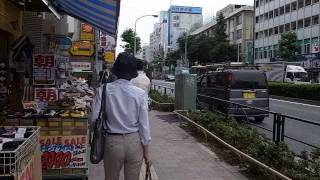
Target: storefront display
19,153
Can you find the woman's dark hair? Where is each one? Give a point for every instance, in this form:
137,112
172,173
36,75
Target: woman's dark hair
140,64
125,66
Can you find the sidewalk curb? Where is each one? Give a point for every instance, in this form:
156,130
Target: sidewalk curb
297,100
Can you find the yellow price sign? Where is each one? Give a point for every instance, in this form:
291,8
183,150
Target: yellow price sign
109,57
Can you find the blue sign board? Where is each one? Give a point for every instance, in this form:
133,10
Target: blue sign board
186,9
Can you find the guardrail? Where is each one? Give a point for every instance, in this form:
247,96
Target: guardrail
278,128
167,90
279,120
235,150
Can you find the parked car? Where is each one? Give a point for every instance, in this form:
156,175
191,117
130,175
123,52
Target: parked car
248,87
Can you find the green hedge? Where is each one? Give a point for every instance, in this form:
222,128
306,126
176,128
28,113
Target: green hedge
155,95
301,91
249,141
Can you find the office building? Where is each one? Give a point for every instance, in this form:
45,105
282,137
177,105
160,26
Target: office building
239,28
274,17
173,24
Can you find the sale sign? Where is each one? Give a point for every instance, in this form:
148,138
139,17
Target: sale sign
46,94
27,172
63,151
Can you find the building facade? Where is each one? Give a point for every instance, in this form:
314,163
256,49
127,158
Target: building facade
181,20
239,28
274,17
145,53
173,24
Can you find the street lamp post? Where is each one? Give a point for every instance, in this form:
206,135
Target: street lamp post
135,32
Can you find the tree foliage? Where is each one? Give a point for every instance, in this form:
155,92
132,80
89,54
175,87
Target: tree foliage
128,37
219,30
206,49
288,46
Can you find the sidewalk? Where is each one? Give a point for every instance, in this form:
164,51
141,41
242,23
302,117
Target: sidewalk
177,155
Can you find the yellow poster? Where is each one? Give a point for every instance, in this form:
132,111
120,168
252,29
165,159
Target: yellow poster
87,32
109,57
82,48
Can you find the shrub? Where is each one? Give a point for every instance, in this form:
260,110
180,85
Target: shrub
302,91
248,140
163,102
155,95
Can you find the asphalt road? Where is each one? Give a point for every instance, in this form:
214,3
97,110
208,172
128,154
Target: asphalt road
298,130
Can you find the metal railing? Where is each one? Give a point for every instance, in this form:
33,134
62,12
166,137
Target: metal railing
279,120
166,90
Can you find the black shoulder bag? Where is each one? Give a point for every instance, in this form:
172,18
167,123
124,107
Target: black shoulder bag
97,142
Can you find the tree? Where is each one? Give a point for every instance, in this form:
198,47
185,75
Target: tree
288,46
128,37
219,30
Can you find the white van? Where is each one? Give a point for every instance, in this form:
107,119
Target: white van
296,74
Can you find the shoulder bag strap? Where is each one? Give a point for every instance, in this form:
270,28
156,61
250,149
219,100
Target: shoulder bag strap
103,113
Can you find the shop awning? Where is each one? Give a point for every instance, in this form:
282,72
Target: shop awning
103,14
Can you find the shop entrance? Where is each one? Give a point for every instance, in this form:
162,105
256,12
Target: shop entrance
4,59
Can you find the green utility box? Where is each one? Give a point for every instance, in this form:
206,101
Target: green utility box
185,91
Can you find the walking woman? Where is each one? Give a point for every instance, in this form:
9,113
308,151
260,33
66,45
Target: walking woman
127,133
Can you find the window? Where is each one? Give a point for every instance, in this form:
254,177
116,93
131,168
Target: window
290,75
315,20
257,19
239,34
308,2
261,34
266,16
276,12
287,27
293,25
261,18
271,32
265,54
238,20
257,35
307,22
281,29
294,6
281,10
276,30
287,8
257,3
176,17
270,14
315,1
176,24
300,23
300,3
307,48
266,33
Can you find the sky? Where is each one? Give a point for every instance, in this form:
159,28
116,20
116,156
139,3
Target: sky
132,9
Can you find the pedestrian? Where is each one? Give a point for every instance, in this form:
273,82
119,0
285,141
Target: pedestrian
127,125
142,81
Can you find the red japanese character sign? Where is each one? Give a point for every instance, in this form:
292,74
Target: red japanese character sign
43,61
46,94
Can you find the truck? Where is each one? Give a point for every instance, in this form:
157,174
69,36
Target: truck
285,72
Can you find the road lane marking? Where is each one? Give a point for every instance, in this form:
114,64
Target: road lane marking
296,103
